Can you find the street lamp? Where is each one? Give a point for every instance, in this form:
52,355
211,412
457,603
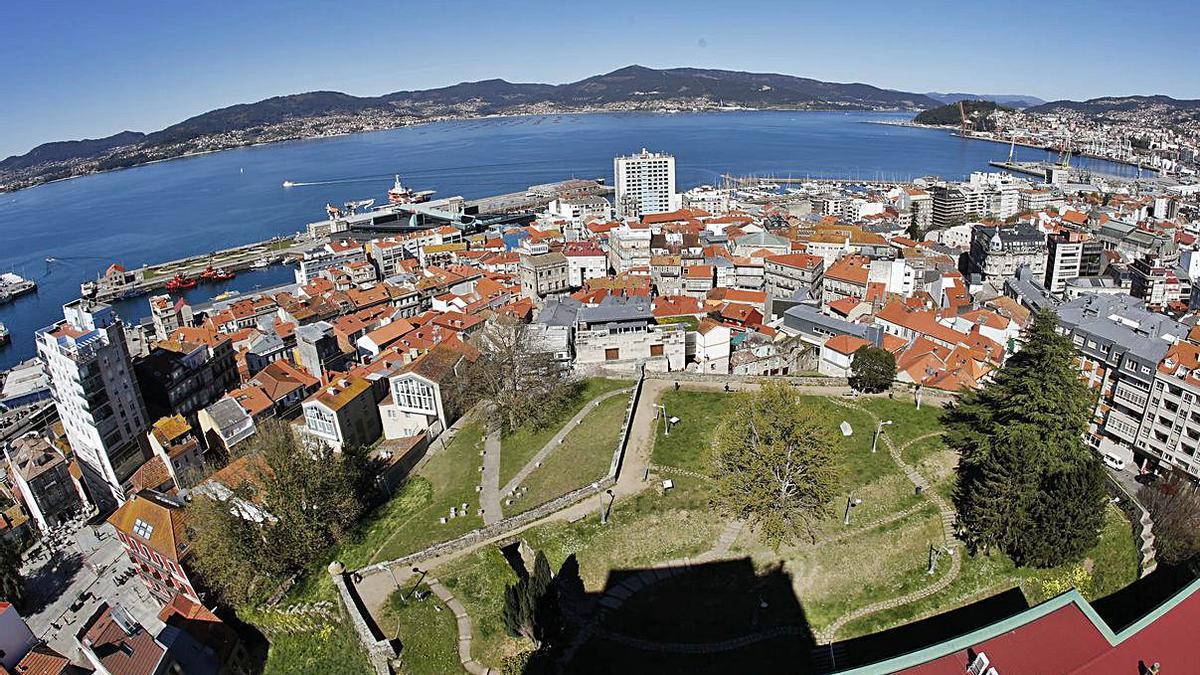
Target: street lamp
416,570
663,416
605,513
851,502
878,430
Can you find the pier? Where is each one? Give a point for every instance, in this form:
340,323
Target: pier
150,278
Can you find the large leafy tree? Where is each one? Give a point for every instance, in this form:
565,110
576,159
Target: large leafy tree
872,369
311,498
12,586
775,465
1027,483
518,379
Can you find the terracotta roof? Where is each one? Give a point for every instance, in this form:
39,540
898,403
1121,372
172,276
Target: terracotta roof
167,429
676,305
851,268
803,261
42,660
337,394
281,378
163,526
121,652
846,344
151,475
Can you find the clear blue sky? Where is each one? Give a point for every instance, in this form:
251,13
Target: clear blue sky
89,69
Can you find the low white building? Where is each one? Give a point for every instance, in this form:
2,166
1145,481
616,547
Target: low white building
837,355
712,347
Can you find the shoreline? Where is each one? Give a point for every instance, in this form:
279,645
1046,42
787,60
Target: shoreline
451,118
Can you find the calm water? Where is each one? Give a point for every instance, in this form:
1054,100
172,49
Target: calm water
190,206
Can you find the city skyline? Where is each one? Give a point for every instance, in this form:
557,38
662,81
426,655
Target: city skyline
143,67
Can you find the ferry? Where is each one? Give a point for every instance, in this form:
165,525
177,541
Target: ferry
402,195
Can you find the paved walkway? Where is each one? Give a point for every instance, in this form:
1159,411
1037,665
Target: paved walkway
553,443
464,627
489,497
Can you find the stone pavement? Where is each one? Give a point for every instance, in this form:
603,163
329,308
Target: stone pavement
463,621
489,497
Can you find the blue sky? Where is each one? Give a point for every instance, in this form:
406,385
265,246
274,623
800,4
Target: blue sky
89,69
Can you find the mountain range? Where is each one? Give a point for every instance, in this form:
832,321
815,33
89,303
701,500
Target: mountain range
1010,100
1120,104
324,112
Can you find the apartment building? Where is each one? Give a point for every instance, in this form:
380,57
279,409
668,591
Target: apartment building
645,183
585,260
629,247
152,528
1170,427
96,396
543,274
1070,255
342,414
998,251
784,274
1120,344
40,475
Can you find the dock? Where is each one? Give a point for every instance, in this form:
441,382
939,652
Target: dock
536,197
150,278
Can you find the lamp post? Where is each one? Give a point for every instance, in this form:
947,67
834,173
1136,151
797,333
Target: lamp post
416,570
662,415
605,513
878,430
918,397
851,502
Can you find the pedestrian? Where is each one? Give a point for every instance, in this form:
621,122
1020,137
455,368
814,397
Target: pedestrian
676,385
726,387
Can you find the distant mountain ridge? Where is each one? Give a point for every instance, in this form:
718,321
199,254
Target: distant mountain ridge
1010,100
59,151
1113,104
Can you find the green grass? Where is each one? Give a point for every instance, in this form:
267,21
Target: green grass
643,530
518,447
585,456
907,422
1113,565
427,631
333,650
689,446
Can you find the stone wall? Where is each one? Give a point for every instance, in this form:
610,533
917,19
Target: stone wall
380,650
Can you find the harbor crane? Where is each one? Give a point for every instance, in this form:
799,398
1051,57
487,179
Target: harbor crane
967,125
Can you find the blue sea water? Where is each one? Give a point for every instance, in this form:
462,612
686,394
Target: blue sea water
194,205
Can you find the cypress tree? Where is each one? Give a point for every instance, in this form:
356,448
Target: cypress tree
1027,483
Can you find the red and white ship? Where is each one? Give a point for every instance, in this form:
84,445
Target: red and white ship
402,195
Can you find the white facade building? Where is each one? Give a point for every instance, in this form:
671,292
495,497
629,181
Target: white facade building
96,396
645,183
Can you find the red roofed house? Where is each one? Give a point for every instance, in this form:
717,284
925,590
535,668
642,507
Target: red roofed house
846,277
837,354
151,526
784,274
711,351
415,403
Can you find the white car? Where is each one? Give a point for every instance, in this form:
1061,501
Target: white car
1115,463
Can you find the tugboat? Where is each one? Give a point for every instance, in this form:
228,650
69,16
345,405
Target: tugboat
180,283
209,274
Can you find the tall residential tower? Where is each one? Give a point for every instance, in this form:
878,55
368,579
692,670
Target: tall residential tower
645,183
96,395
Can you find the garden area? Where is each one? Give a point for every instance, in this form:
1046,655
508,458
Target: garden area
798,589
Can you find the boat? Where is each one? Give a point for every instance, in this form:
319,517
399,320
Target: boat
260,264
356,206
402,195
226,295
180,283
209,274
288,183
224,275
5,337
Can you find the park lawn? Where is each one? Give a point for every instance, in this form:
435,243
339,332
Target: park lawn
518,447
333,650
427,631
1113,563
643,530
907,422
584,457
409,521
689,445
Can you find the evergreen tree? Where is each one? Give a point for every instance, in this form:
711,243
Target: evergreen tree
531,605
872,369
1027,483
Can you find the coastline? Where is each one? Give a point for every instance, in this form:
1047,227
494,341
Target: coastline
458,118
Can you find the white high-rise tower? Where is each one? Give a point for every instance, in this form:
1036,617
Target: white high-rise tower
645,183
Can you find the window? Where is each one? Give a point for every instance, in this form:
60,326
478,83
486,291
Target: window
142,529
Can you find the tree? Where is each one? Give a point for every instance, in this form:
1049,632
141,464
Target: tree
311,498
531,605
12,585
1027,483
1174,508
774,463
872,369
518,379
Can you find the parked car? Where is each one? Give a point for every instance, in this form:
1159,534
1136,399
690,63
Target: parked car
1115,463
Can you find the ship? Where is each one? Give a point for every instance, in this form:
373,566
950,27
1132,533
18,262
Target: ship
180,283
402,195
210,274
5,338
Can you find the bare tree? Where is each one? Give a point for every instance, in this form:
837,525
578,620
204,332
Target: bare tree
1174,507
518,379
